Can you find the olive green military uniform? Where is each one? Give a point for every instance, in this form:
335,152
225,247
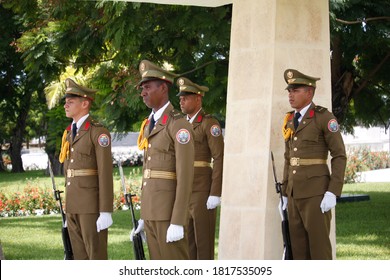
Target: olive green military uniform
167,183
207,181
209,146
168,173
307,177
89,188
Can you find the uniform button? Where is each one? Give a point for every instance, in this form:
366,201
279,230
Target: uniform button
68,183
150,145
72,149
294,171
149,158
295,138
295,149
144,183
72,160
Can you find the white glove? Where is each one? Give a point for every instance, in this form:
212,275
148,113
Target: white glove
104,221
175,233
328,202
139,229
213,202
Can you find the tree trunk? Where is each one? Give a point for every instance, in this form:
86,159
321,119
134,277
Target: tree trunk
18,133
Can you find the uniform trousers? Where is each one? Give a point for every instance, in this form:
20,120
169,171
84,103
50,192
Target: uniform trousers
87,243
159,249
201,227
309,229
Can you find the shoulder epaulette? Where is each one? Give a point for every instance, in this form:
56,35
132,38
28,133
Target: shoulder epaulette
95,123
320,109
176,114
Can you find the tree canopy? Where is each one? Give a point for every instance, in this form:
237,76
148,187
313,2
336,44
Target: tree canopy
102,43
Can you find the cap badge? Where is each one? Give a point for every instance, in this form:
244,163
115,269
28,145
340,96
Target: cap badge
142,66
181,81
183,136
290,74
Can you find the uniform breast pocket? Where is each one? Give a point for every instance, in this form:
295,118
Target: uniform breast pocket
84,153
310,137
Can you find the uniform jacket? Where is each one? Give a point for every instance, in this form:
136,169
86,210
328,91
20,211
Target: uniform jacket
208,145
168,199
91,149
317,135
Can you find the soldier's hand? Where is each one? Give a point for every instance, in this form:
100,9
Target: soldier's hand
104,221
213,202
139,229
175,233
328,202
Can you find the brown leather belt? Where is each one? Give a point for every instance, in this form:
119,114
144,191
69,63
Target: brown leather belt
80,172
156,174
294,161
202,164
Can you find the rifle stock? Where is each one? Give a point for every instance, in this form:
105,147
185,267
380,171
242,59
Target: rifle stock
68,252
287,254
138,246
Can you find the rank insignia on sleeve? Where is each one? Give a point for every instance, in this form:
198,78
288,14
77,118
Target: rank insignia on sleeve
333,125
104,140
215,130
183,136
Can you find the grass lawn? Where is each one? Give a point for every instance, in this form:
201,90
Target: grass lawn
362,228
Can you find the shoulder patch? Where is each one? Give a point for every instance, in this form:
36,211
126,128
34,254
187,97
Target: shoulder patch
183,136
333,125
104,140
215,130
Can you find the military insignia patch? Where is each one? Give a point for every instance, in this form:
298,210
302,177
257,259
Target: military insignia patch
183,136
104,140
215,130
333,125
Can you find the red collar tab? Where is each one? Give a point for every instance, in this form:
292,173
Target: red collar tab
291,117
69,128
311,113
87,124
199,118
164,120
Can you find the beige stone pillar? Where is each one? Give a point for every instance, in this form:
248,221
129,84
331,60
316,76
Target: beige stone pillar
267,37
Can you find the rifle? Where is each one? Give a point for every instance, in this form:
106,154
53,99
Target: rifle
287,252
138,246
68,253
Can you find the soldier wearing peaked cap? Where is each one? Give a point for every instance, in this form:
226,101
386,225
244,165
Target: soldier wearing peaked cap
86,154
208,166
168,143
309,188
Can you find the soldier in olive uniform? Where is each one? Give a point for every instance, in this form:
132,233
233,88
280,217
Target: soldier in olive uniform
207,187
86,154
310,133
168,171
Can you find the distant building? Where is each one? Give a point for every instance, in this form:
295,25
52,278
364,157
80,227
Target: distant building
375,138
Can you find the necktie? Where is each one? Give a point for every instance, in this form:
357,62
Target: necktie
296,117
74,130
151,124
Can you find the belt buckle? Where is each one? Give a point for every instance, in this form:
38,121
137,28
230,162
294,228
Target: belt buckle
70,173
294,161
147,173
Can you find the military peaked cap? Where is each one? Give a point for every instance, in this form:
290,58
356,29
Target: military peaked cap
73,90
295,79
150,71
186,86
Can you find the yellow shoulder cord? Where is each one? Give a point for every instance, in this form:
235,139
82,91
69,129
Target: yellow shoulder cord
64,147
287,132
142,142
